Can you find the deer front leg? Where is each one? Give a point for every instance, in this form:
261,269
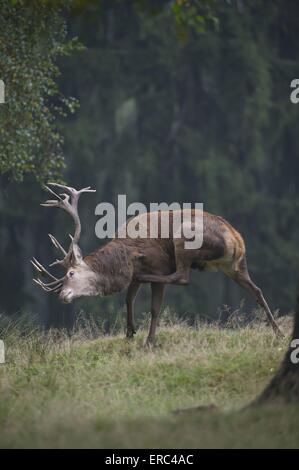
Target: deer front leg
157,298
130,299
183,261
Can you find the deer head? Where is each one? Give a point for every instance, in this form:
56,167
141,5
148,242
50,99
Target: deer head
79,279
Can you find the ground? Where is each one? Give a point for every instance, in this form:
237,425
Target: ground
110,392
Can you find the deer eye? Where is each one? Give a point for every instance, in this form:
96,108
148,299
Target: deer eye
71,273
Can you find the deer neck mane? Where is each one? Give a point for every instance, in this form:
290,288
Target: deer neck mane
113,264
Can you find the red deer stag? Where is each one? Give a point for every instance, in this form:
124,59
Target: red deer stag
128,262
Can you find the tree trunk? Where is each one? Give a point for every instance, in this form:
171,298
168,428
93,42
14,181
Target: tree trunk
284,387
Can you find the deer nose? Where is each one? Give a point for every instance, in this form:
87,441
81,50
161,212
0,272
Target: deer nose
66,296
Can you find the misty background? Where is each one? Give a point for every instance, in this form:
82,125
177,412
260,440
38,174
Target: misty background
192,108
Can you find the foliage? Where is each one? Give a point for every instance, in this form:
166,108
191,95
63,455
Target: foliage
193,16
32,37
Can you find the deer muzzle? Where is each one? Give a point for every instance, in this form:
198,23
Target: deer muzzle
66,296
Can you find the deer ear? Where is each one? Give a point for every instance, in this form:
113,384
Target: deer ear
77,256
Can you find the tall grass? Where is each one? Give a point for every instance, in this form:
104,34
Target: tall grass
91,389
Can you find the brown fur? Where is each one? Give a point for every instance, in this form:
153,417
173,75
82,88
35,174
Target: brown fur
129,262
157,256
111,259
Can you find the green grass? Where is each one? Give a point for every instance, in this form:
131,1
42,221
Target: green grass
57,391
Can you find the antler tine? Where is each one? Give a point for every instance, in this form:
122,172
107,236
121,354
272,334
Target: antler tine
41,269
62,203
71,190
60,262
87,190
51,190
38,282
53,284
62,186
57,244
45,287
50,203
35,266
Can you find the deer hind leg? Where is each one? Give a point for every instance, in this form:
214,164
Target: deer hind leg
242,278
157,299
130,299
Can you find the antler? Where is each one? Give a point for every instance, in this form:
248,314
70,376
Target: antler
53,286
67,201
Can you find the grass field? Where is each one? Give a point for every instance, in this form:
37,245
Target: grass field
57,391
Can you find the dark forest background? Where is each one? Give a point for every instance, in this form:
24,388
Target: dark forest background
178,101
